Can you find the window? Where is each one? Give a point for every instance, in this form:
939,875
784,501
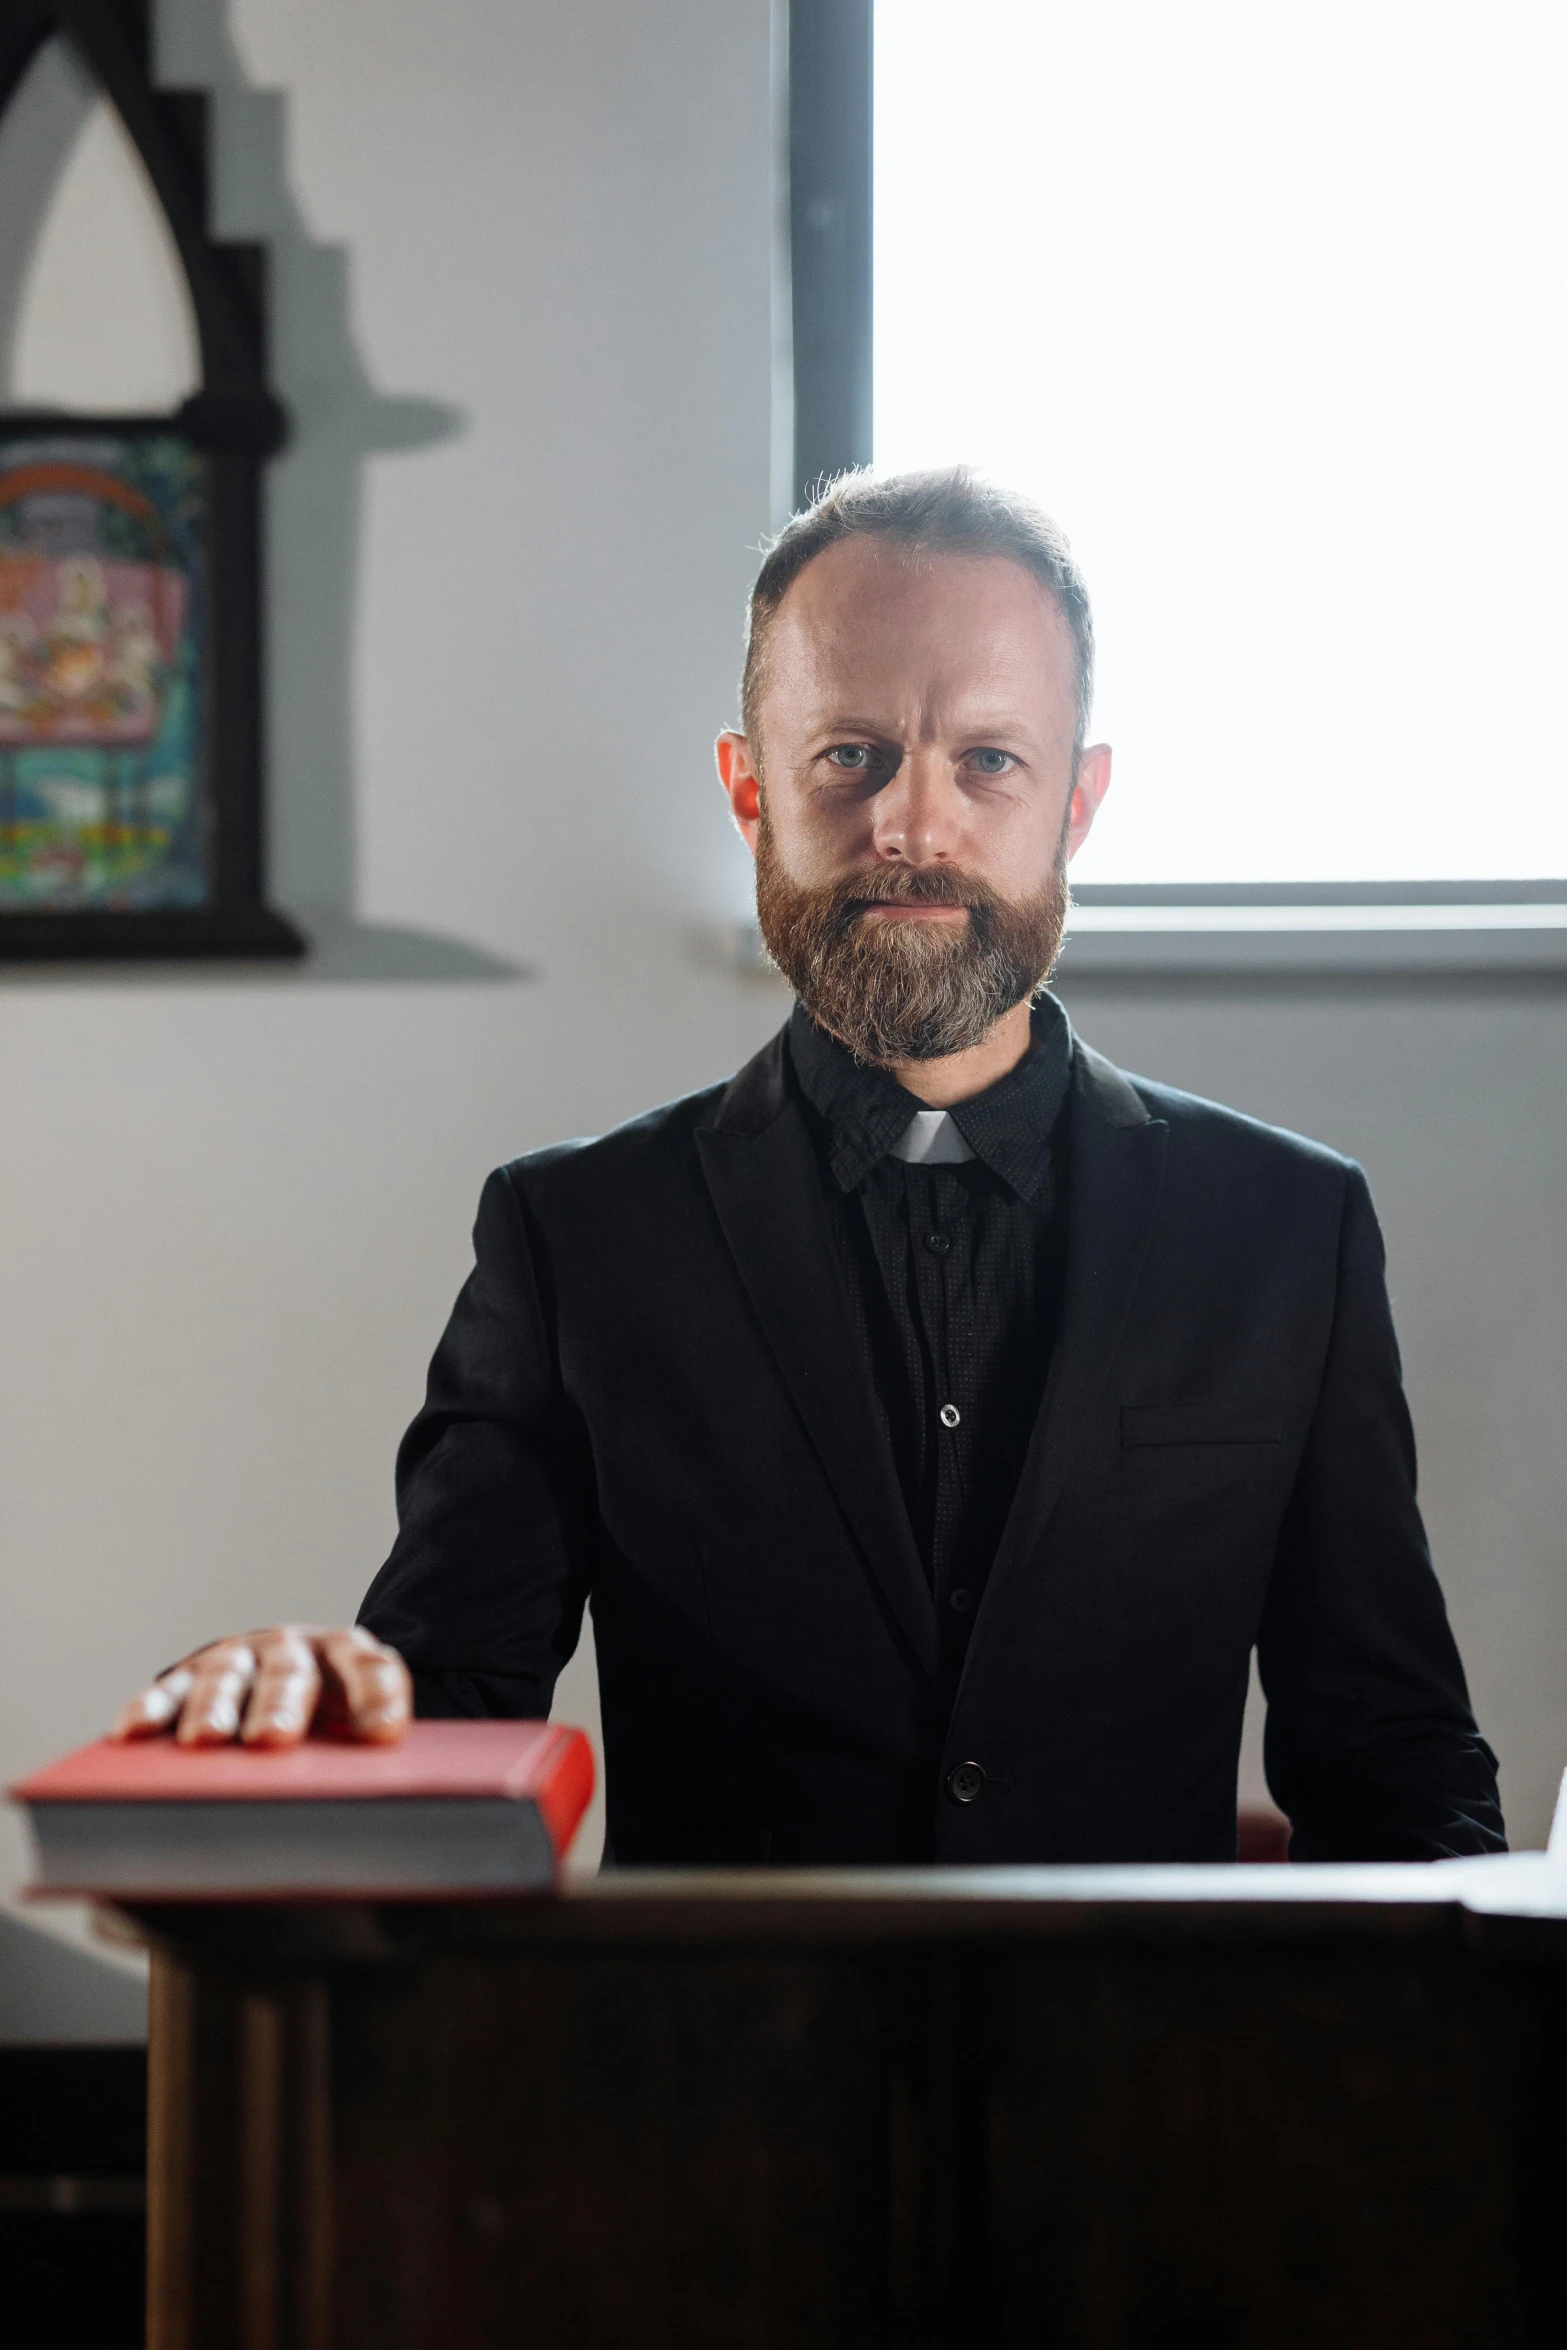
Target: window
1266,306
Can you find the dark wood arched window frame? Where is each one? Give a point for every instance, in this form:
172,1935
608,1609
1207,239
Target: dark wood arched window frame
215,444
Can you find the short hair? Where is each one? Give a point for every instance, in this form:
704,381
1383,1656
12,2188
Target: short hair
948,511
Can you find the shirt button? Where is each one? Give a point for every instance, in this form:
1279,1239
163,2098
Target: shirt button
937,1243
949,1415
966,1782
961,1601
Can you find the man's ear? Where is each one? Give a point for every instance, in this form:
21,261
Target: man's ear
1093,781
742,785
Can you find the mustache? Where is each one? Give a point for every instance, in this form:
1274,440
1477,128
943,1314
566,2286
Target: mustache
911,885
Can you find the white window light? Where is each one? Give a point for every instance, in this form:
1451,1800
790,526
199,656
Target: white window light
1267,307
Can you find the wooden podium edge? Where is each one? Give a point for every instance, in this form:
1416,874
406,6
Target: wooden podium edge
239,2168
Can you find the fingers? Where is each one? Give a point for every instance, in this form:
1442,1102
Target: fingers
220,1679
286,1687
368,1694
268,1688
156,1708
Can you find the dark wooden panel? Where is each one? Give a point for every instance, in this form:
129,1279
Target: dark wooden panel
1270,2148
886,2118
239,2210
657,2148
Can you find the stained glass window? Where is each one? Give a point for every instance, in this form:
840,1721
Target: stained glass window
103,800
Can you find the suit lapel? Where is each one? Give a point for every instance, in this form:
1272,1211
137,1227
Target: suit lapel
1116,1172
761,1173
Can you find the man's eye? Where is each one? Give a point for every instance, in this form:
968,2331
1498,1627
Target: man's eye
992,762
853,758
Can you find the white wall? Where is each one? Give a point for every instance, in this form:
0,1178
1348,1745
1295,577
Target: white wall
522,318
521,257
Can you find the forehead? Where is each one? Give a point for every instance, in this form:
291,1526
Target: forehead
870,619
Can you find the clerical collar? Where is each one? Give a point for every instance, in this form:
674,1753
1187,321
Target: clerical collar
868,1114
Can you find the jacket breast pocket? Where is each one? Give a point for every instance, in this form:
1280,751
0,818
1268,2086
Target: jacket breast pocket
1251,1421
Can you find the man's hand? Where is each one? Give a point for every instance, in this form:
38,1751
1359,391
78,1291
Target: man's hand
268,1688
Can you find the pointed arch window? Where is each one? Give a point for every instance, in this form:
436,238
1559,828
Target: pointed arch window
131,781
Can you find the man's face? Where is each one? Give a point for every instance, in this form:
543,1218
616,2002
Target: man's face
913,798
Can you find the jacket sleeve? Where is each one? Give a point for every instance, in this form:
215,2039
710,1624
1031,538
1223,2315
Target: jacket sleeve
484,1591
1370,1744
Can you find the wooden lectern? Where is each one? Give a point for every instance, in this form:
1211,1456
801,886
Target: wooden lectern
1094,2110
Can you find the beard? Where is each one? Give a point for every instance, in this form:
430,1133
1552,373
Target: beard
907,991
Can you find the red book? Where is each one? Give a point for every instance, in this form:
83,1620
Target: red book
452,1808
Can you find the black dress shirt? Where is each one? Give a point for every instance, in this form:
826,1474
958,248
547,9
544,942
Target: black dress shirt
952,1274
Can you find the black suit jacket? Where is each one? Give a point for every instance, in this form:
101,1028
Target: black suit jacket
649,1397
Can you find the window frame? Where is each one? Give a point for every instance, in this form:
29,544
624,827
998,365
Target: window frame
235,423
1428,926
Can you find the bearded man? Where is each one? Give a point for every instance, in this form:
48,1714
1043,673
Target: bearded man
934,1418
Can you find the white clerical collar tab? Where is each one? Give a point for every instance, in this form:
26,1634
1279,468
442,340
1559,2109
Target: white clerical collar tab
930,1139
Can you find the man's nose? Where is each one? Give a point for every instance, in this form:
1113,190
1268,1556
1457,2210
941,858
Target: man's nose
918,813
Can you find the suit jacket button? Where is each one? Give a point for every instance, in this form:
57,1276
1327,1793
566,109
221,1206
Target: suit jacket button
966,1782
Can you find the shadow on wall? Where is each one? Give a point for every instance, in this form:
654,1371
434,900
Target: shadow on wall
316,500
57,1993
